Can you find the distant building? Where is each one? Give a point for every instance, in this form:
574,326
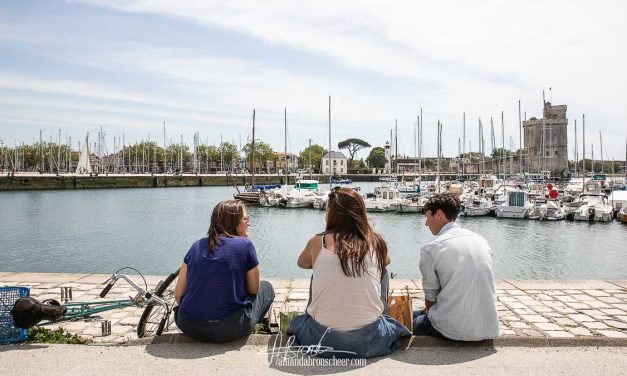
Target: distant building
334,163
548,153
282,159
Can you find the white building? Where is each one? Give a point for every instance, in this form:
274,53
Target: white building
334,163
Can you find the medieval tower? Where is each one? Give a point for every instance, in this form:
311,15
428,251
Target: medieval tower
548,153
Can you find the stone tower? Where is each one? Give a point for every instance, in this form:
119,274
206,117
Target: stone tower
554,144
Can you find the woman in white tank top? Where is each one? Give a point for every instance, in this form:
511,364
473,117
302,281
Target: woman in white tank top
349,285
348,262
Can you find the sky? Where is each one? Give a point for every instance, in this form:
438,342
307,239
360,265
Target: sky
202,67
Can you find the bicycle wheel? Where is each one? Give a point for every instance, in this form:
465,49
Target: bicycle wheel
151,318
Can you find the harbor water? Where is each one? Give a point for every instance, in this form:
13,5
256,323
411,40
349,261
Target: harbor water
99,231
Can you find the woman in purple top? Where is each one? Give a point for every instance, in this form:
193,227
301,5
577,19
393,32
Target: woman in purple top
219,292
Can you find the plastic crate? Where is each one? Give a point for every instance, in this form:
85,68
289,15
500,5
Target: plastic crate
8,331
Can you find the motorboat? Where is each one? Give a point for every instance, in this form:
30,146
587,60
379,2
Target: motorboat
302,195
622,215
476,206
385,199
516,205
411,205
594,208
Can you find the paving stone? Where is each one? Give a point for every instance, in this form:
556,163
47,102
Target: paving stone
595,325
531,302
507,332
579,331
534,318
558,334
583,298
616,324
622,318
565,322
578,306
554,303
515,305
543,297
533,292
609,299
554,292
598,304
621,306
612,334
566,299
546,326
613,311
552,314
621,296
572,292
510,318
542,309
595,313
519,325
129,321
532,333
507,299
524,311
596,293
581,318
297,296
516,292
565,310
562,284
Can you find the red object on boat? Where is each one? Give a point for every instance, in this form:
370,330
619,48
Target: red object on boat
549,186
553,193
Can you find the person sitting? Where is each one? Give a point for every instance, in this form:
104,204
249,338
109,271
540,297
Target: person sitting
349,286
219,292
456,268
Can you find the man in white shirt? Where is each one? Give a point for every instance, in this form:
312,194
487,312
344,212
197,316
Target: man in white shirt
456,268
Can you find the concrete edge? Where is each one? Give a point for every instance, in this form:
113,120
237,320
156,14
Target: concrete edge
260,340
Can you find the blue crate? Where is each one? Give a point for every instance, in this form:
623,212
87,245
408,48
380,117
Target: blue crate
8,297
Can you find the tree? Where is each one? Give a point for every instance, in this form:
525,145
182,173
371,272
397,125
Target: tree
316,152
263,153
376,159
353,145
230,154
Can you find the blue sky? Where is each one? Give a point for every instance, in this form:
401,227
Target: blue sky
202,66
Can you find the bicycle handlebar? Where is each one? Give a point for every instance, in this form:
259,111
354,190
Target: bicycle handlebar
105,291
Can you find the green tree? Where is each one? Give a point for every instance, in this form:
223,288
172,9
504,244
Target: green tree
230,154
263,153
376,158
315,152
352,145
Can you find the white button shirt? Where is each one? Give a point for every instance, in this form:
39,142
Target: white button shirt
456,269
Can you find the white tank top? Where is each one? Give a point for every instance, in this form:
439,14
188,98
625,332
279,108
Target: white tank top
342,302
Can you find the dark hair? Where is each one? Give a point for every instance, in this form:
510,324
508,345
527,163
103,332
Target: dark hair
354,237
225,218
447,202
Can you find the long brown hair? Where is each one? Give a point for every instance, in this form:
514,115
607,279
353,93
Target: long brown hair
353,235
225,218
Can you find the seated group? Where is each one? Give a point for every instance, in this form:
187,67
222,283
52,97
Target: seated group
221,297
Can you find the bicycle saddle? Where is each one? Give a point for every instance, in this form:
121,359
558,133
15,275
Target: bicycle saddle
28,312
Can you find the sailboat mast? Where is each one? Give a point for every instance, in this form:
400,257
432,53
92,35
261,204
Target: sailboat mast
520,157
601,142
420,146
503,145
464,146
396,145
330,160
576,149
439,145
287,168
252,152
583,160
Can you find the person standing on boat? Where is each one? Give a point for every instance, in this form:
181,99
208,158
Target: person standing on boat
456,268
349,286
219,291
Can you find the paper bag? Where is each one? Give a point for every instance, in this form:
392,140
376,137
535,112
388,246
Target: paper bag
399,308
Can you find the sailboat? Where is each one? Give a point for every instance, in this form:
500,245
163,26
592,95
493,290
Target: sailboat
84,160
252,194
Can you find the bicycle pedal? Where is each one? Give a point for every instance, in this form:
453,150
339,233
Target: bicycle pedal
66,294
105,326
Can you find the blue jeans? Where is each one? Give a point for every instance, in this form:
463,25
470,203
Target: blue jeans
237,324
423,327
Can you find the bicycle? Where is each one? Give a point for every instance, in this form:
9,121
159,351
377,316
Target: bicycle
158,304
